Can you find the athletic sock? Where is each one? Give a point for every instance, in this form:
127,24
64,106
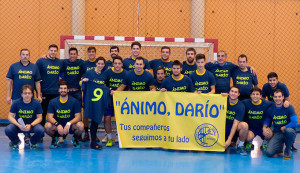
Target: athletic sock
109,136
241,143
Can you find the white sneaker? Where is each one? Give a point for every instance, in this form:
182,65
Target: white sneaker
105,138
61,139
116,139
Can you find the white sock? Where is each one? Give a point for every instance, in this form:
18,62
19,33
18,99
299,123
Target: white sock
109,136
241,143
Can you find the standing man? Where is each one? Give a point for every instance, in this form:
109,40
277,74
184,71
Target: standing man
285,122
135,52
114,51
22,73
177,82
243,78
203,80
164,61
50,68
189,66
138,79
25,115
160,76
64,115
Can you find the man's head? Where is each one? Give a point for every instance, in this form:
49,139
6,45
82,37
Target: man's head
190,55
139,64
255,94
24,55
165,53
176,68
73,54
117,63
234,92
91,53
221,57
200,61
100,63
278,97
242,61
53,49
135,49
114,51
273,79
160,73
63,88
27,93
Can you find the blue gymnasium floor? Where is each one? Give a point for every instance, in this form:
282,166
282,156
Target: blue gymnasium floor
67,159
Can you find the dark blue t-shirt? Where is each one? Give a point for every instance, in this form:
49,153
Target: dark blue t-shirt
72,72
203,82
108,65
245,81
184,84
49,70
154,64
28,112
234,111
128,64
255,114
88,65
222,75
22,75
64,112
268,91
188,69
157,85
114,80
138,82
280,116
96,78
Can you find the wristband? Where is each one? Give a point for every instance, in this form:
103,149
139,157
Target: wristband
56,123
68,123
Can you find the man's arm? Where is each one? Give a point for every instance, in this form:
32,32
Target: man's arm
212,89
232,132
8,91
121,87
11,119
50,118
152,88
76,119
37,120
38,90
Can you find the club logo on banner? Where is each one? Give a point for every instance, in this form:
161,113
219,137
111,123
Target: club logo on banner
171,120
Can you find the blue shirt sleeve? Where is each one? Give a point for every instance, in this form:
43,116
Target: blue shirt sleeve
50,107
10,73
241,112
147,65
39,109
212,79
13,108
264,90
77,107
285,91
293,123
37,76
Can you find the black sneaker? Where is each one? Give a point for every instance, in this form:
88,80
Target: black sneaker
86,137
27,138
294,149
54,142
75,142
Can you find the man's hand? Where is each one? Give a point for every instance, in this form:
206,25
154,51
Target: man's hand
163,89
85,79
66,129
60,130
225,94
28,127
286,104
8,100
283,129
227,143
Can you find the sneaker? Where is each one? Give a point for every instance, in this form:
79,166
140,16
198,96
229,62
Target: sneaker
241,150
86,137
32,147
61,139
294,149
287,156
110,143
97,139
105,138
10,143
280,153
75,142
116,139
15,147
27,138
264,147
248,147
54,142
232,144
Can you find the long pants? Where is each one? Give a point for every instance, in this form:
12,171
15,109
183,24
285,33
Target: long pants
45,103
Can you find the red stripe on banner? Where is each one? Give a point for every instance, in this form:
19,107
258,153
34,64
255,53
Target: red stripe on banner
169,39
63,38
89,37
109,38
215,42
149,39
189,40
129,38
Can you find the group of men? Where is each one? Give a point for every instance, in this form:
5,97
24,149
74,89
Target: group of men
248,113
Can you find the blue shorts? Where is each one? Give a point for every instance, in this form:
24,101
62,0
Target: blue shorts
70,130
228,130
110,111
258,132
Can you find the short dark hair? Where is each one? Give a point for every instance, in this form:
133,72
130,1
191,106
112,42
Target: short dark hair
114,47
119,58
223,52
140,58
63,83
176,62
243,56
272,74
279,91
100,58
160,68
191,49
235,86
91,48
136,43
256,89
53,45
24,50
24,87
72,49
165,47
200,56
